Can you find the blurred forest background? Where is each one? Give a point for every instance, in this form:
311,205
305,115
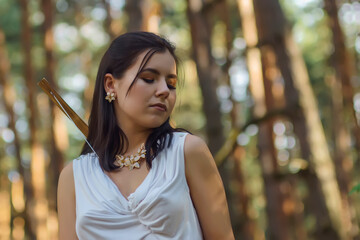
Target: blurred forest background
272,85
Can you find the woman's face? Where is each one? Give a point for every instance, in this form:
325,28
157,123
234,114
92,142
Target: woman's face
152,97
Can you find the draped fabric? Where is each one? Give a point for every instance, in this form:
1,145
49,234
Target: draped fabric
160,208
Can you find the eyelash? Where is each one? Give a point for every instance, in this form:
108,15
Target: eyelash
147,80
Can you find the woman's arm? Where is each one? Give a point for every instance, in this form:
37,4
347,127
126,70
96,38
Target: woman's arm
206,189
66,204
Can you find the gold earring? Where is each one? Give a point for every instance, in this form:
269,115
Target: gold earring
110,97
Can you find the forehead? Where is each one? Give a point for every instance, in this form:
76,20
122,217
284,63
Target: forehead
161,61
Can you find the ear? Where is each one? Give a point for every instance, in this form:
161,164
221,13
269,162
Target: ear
109,83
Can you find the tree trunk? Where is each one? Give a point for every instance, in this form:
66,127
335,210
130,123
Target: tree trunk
320,158
9,96
277,224
133,8
20,226
344,112
108,20
278,227
58,133
31,106
342,159
294,208
243,224
9,99
319,202
253,58
205,65
272,31
207,72
5,210
344,68
139,12
274,97
108,23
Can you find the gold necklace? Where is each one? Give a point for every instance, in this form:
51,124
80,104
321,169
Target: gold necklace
131,161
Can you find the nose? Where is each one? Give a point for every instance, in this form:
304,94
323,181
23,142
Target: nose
162,89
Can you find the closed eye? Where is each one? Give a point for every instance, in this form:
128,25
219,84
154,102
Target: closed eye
171,87
148,80
171,83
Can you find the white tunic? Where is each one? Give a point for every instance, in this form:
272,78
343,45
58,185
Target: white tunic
160,208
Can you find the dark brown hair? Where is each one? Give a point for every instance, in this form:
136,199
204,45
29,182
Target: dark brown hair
105,136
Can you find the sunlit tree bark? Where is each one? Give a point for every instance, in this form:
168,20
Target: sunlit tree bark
271,28
87,56
32,111
135,14
344,68
274,97
342,157
243,224
205,65
317,200
139,14
108,23
58,132
274,180
343,112
58,137
18,205
224,14
324,197
208,73
273,31
152,17
253,57
9,96
277,225
5,212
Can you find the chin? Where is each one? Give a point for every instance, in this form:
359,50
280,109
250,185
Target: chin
155,123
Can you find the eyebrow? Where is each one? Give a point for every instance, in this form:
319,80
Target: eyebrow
158,73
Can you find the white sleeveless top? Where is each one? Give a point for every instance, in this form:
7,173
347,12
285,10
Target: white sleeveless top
160,208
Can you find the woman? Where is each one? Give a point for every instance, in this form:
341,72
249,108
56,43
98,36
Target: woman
139,178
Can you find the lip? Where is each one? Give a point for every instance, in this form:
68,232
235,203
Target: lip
159,106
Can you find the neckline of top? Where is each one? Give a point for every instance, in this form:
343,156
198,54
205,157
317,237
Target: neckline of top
137,191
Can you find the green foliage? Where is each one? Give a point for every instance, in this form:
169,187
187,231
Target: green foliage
355,189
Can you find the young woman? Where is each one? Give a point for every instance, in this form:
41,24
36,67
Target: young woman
139,178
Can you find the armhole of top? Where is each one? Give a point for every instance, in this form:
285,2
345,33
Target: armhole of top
75,165
75,172
74,168
183,159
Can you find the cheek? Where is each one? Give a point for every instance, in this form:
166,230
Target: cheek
172,100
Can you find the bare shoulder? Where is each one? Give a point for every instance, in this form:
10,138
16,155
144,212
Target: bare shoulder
66,178
67,171
193,142
197,155
195,146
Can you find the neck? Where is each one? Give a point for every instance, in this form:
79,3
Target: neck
136,138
